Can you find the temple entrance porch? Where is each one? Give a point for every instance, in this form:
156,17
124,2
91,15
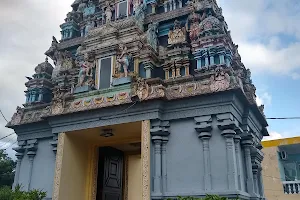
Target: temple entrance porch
104,163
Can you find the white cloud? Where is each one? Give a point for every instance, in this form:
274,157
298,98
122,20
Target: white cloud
295,75
273,136
264,99
258,26
7,144
26,33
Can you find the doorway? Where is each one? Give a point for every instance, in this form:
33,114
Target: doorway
110,174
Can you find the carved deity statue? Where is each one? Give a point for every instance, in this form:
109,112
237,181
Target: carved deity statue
220,80
140,89
85,76
89,26
177,35
108,12
194,20
57,60
81,7
136,4
17,117
201,4
152,35
139,14
123,60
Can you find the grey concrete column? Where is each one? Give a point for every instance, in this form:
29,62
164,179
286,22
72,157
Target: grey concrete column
205,136
164,163
180,3
260,182
255,178
206,61
212,60
174,4
166,6
153,5
171,5
204,127
31,152
231,160
31,155
247,144
228,124
159,132
148,68
238,161
222,59
157,140
54,143
17,173
20,154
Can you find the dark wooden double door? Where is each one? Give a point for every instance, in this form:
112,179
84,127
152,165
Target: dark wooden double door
110,174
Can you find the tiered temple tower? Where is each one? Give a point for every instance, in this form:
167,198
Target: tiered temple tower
148,99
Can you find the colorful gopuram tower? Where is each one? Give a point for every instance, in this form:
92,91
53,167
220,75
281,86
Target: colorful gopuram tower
148,99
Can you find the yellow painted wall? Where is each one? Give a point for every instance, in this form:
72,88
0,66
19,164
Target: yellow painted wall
279,142
271,177
74,169
134,177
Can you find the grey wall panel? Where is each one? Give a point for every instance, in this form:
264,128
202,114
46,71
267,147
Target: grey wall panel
184,158
24,173
43,167
218,159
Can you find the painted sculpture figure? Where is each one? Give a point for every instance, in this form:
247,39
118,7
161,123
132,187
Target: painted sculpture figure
177,35
108,12
136,4
90,25
152,35
123,60
85,73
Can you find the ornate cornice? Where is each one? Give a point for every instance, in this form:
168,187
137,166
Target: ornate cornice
218,81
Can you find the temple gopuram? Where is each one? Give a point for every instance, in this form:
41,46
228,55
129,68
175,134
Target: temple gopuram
147,99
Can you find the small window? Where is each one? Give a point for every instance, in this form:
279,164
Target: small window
182,71
217,59
122,9
170,73
202,62
142,71
105,73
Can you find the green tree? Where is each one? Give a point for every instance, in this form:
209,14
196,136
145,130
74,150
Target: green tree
7,169
17,194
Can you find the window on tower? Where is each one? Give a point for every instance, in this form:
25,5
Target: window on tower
122,9
105,72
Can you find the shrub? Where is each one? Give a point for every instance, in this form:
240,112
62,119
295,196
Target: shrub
17,194
208,197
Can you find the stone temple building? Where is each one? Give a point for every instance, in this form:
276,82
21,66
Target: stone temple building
148,99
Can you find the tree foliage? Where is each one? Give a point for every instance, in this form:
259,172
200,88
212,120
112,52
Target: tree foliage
17,194
7,168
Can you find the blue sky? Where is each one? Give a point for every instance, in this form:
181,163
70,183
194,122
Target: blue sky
268,35
267,32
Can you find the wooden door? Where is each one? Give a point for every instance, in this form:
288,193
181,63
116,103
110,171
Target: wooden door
112,174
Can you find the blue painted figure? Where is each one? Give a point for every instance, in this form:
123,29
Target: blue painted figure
90,9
